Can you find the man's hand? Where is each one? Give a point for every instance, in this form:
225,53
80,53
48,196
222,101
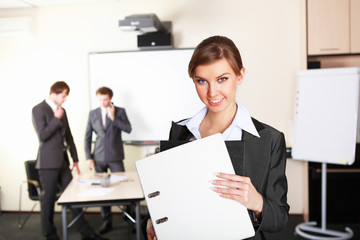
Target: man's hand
59,112
76,165
90,163
111,111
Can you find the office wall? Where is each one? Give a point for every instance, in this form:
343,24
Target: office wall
270,35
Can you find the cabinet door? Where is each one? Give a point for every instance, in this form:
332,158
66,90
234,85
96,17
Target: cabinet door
328,27
355,26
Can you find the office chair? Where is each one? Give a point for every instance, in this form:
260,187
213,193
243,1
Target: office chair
33,185
34,189
0,200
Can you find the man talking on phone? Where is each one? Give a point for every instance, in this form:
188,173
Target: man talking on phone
107,122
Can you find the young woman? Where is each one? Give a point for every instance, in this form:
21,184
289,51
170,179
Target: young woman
259,158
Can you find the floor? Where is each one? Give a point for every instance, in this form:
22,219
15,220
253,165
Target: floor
124,230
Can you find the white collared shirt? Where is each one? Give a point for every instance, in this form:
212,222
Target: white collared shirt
103,115
242,121
53,105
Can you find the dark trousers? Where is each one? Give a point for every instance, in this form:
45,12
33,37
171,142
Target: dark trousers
101,167
50,180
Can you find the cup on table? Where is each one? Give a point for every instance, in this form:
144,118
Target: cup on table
105,180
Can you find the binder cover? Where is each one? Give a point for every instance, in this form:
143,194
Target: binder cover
179,196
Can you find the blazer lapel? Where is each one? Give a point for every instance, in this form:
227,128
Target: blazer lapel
256,150
50,114
99,116
179,132
47,109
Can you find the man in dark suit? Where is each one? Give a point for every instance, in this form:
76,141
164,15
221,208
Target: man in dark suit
52,128
107,122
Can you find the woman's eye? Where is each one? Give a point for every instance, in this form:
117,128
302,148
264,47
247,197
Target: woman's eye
222,79
201,81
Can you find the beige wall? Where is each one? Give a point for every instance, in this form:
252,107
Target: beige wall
270,35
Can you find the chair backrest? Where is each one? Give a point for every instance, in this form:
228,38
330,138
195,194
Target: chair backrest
32,174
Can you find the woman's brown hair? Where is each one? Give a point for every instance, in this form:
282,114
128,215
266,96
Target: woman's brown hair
215,48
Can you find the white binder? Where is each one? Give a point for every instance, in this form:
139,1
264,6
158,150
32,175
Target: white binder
179,196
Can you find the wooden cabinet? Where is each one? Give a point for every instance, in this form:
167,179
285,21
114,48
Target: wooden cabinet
328,27
355,26
333,27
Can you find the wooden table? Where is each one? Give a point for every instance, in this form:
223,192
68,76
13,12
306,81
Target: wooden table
80,194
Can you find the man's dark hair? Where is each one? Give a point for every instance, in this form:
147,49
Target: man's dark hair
59,87
105,91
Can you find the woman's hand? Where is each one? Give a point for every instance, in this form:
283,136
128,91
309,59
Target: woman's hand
150,231
240,189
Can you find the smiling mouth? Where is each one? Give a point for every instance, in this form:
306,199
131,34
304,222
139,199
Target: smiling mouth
215,102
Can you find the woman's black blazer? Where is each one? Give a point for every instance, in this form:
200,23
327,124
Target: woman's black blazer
263,160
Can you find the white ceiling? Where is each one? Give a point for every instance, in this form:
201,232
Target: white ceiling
5,4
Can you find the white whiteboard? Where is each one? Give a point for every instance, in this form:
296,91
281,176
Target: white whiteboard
152,86
326,115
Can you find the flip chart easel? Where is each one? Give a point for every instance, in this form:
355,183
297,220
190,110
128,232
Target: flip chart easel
325,128
302,228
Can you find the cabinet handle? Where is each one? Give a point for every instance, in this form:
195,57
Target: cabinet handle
328,49
340,170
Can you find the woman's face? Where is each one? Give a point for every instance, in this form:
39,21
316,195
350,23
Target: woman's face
216,85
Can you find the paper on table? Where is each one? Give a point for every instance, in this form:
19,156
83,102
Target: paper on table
117,178
113,179
89,182
96,192
184,204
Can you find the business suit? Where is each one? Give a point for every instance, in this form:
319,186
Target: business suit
55,139
108,151
263,160
108,145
